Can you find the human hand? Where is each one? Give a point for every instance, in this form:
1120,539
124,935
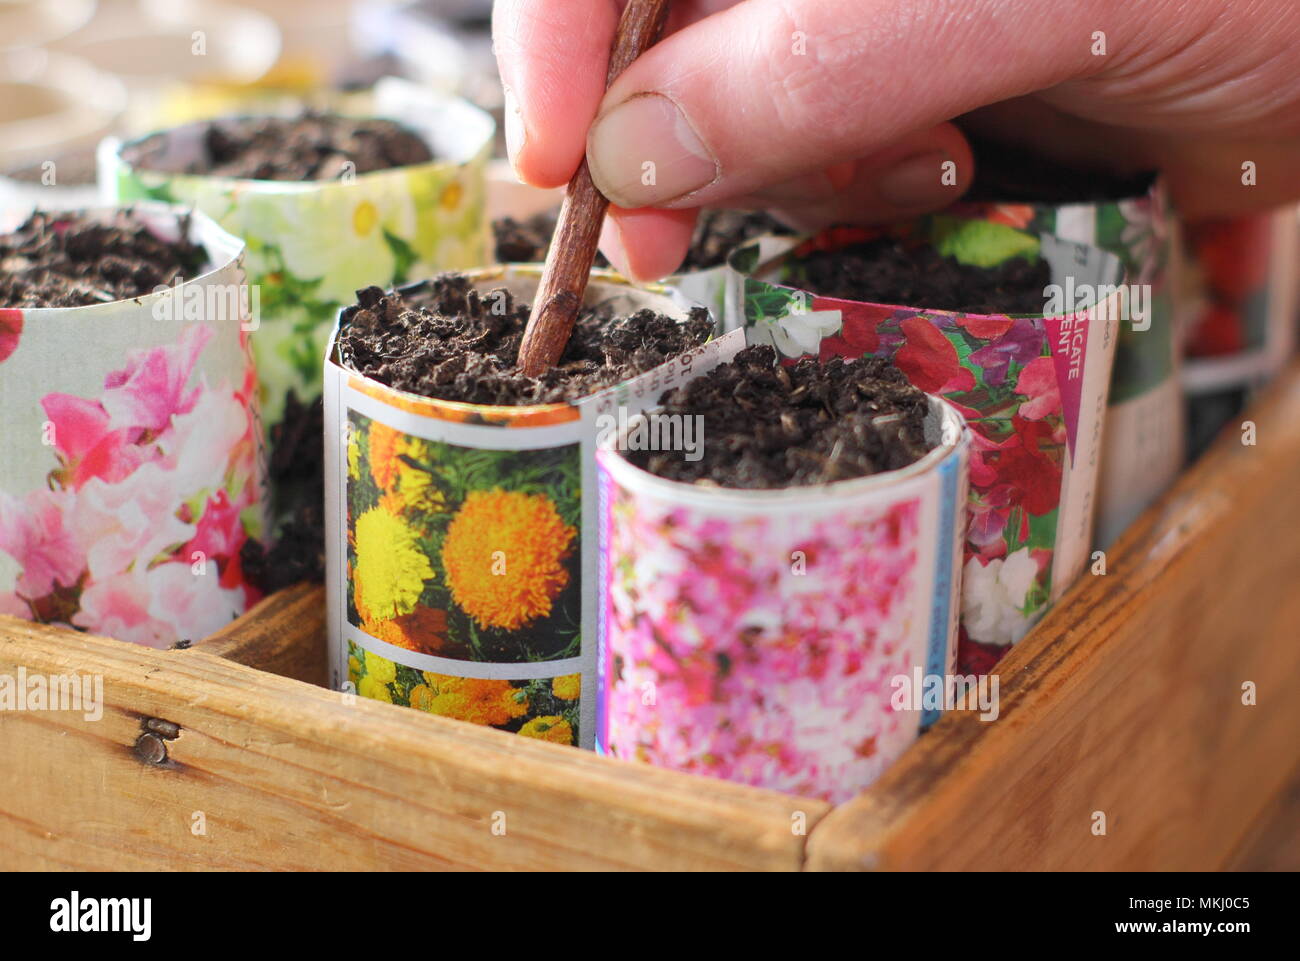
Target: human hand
836,111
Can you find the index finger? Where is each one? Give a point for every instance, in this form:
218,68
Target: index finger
553,56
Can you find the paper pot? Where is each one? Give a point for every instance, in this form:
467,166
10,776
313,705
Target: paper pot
461,538
1144,447
1240,312
1033,388
757,635
132,472
312,245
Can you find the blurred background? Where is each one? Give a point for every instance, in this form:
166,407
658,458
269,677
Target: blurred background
75,71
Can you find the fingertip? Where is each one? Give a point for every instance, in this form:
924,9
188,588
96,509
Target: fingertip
647,245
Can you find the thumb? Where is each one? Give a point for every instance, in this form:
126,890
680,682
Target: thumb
765,91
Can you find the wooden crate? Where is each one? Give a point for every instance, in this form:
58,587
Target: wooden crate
1127,699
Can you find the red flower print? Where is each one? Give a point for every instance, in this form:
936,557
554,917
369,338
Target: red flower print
11,327
1032,474
985,327
929,359
1038,383
857,336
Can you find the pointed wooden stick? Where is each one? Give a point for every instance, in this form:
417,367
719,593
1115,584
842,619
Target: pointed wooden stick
577,232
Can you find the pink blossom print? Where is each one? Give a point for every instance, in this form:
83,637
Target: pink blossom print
155,486
759,646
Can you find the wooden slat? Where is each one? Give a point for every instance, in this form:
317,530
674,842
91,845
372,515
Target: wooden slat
291,776
1127,699
284,634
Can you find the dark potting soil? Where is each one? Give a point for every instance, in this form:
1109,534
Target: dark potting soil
446,340
74,260
526,241
885,271
296,472
770,426
313,146
716,233
1008,174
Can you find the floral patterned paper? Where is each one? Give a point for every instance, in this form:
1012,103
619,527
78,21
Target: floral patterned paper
759,642
1016,379
312,246
460,562
1145,442
123,508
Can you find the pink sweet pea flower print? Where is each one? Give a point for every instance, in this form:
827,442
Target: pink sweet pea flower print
150,389
34,534
192,605
149,474
1038,382
132,522
118,606
89,446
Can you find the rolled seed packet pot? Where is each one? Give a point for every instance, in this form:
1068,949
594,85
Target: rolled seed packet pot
1032,384
773,637
133,472
1238,313
312,244
461,537
1145,441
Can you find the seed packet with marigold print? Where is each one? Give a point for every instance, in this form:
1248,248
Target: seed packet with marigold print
461,541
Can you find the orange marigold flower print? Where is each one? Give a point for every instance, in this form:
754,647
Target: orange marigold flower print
424,630
385,445
504,557
555,729
478,701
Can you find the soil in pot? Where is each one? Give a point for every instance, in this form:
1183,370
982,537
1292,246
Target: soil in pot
770,426
1008,174
717,232
885,270
296,473
448,341
75,260
313,146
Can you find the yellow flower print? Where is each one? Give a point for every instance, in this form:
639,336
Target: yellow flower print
451,196
555,729
354,457
365,217
568,687
380,669
391,569
523,532
373,689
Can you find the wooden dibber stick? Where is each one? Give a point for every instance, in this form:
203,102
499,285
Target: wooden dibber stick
577,232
